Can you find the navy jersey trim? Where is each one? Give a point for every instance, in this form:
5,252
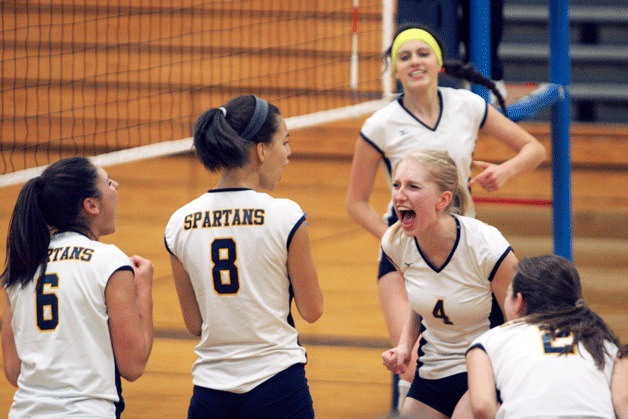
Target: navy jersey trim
120,404
124,268
485,115
294,230
70,230
499,262
228,190
475,345
168,247
451,254
440,113
379,150
384,255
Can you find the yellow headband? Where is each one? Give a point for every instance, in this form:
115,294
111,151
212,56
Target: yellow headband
415,34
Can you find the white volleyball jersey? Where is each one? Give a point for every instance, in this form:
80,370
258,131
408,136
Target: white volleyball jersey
62,332
535,382
234,245
394,132
453,300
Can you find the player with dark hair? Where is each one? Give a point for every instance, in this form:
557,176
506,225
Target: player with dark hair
554,358
239,257
77,313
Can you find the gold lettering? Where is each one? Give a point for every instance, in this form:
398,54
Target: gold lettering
207,222
187,222
247,217
259,217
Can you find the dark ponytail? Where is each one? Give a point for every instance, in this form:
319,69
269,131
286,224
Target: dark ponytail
468,72
50,201
222,136
552,292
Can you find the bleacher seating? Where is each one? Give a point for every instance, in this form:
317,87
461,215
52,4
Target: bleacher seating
598,52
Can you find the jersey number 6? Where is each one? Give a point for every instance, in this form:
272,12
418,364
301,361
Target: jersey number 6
225,271
47,302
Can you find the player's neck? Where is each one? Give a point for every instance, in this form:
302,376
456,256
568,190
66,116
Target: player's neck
239,178
423,104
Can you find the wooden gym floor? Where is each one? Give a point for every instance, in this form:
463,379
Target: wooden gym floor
344,370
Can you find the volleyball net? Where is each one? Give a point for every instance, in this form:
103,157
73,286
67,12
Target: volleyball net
126,80
121,82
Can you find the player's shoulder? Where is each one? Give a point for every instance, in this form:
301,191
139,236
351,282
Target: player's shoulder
509,331
459,94
395,238
281,205
477,228
383,114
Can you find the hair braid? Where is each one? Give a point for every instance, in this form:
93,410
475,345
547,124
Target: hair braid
469,73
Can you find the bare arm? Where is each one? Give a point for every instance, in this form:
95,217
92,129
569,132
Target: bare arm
530,152
361,180
10,358
482,393
502,279
187,297
619,387
308,296
130,311
397,359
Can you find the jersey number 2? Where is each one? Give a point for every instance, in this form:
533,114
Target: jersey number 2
47,302
225,271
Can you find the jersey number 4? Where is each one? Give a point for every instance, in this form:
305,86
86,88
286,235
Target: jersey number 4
47,302
225,271
439,312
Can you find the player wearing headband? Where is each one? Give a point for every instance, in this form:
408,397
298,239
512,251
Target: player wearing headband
239,257
427,116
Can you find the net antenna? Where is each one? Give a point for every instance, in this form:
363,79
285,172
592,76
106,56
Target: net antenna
121,82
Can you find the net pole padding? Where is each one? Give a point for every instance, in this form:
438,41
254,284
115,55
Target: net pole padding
560,73
353,77
543,96
480,41
184,145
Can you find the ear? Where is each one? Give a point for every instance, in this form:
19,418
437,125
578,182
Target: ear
91,206
260,151
520,305
444,200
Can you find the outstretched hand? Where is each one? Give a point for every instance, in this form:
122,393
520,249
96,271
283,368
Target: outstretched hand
492,176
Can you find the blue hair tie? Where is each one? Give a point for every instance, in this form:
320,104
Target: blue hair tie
257,120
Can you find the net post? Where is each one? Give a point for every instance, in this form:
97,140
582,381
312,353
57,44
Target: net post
561,157
388,23
480,41
353,83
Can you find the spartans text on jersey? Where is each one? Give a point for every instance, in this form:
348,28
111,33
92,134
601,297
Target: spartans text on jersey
70,253
224,218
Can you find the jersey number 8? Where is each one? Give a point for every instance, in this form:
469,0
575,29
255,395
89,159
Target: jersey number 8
225,271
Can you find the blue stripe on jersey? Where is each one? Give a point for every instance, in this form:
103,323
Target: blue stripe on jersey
485,115
294,230
440,113
168,247
499,262
380,151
